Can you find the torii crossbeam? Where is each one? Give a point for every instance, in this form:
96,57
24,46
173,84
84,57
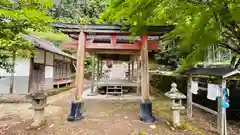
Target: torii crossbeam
111,41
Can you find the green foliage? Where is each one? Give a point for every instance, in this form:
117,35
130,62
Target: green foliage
163,82
88,60
55,37
198,24
15,19
74,11
169,54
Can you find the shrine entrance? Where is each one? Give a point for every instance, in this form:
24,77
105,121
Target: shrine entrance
115,43
115,81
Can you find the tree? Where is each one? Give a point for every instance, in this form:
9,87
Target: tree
169,54
15,19
76,11
199,23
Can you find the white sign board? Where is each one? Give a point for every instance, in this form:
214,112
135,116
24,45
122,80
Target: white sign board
49,72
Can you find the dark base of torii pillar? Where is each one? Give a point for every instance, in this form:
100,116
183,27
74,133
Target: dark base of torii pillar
146,112
76,111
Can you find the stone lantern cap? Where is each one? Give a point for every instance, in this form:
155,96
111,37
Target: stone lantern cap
38,95
174,93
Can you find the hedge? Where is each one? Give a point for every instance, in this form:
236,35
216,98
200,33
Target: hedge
163,82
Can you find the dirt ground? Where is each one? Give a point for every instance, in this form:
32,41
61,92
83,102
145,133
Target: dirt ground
103,117
207,122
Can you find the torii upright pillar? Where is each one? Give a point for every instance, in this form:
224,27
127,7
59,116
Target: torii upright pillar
93,73
146,104
132,73
77,104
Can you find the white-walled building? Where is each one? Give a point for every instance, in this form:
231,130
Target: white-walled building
48,68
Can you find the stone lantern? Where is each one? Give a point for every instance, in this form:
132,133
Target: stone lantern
176,103
39,102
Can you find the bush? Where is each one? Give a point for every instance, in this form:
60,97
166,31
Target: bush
163,82
87,74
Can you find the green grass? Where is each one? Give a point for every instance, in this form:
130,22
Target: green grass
187,126
141,133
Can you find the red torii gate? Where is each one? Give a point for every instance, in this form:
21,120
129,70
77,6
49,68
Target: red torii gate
86,39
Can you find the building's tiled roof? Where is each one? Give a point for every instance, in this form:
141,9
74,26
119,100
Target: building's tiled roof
46,45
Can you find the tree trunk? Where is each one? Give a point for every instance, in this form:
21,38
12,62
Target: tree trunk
58,11
237,64
233,60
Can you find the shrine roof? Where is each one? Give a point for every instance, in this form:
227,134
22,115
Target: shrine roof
217,72
92,29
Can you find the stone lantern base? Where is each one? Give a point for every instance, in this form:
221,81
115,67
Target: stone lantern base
38,119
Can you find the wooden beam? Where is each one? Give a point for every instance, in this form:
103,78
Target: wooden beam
205,108
132,75
189,97
152,45
101,66
138,76
74,44
107,46
80,66
144,71
222,121
129,76
113,39
44,70
12,73
93,72
98,64
114,52
30,81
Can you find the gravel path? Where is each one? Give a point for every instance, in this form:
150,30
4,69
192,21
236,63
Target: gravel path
102,117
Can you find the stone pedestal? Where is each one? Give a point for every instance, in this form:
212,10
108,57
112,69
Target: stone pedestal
176,115
38,119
